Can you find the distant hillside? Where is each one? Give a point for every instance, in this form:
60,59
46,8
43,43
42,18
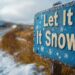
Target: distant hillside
4,24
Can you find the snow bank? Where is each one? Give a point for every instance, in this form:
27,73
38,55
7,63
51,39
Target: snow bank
9,67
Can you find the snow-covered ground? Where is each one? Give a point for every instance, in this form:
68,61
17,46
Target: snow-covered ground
8,66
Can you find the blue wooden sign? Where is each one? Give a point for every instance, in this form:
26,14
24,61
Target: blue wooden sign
54,33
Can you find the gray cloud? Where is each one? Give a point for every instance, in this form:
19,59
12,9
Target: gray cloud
22,11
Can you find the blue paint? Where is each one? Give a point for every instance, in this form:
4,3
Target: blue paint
64,55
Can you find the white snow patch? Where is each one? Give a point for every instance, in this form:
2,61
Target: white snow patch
8,66
21,39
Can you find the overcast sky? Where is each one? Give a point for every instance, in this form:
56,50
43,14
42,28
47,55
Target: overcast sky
23,11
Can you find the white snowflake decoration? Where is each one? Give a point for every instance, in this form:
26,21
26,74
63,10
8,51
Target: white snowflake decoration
37,27
57,54
50,52
43,29
40,22
38,48
42,48
66,55
59,57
